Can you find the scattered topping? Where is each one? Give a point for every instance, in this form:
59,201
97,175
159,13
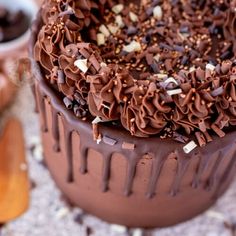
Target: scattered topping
109,141
133,47
82,64
218,131
119,21
133,17
68,103
97,120
180,138
96,134
189,147
174,92
168,81
99,139
103,29
201,139
113,29
157,12
210,67
100,39
217,92
118,8
128,146
161,76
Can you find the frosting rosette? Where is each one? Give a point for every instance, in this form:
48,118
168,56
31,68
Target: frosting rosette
155,75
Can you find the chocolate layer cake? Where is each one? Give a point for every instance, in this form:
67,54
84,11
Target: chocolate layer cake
137,103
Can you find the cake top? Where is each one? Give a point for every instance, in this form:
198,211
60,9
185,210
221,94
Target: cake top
157,67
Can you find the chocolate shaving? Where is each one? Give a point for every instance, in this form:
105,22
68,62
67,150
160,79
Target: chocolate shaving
68,103
109,141
128,146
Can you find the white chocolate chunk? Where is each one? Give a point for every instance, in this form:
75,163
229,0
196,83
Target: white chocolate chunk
133,47
103,64
157,57
174,92
161,76
100,39
82,64
133,17
118,8
97,120
103,29
171,80
157,12
119,21
113,29
210,67
189,147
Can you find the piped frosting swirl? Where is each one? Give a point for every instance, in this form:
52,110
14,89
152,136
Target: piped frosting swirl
178,75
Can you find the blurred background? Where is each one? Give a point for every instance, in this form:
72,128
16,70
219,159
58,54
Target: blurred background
30,203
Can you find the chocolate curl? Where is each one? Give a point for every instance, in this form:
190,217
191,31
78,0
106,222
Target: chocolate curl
180,138
109,141
218,131
128,146
200,138
208,137
217,92
96,134
202,126
79,99
61,77
168,65
68,103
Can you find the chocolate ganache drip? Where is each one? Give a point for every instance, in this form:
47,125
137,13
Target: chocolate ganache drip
157,67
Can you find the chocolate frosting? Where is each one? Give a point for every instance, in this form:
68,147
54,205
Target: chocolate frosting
143,103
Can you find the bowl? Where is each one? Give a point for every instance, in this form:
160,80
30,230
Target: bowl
30,8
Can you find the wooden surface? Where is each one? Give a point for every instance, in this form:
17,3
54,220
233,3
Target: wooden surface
14,182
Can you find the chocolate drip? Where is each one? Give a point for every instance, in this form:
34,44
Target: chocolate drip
106,172
55,131
157,165
131,171
203,164
83,158
183,163
34,90
69,154
212,178
42,108
228,171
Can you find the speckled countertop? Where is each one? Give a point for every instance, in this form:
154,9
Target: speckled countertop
49,214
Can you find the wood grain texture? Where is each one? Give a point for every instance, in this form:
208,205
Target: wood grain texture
14,183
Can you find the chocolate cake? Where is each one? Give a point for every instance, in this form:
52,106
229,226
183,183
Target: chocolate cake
138,105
